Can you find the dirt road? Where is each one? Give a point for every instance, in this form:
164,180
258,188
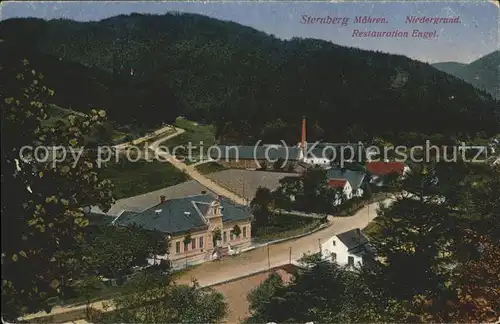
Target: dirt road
279,254
192,172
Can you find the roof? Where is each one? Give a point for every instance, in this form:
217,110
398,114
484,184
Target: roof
141,202
289,153
354,240
337,183
181,214
334,151
384,168
355,178
258,152
99,219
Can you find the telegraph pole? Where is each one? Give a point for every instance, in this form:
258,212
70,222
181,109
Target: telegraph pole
290,256
319,245
268,259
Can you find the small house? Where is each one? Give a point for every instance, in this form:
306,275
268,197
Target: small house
350,248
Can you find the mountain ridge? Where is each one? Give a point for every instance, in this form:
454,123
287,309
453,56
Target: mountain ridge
252,85
483,73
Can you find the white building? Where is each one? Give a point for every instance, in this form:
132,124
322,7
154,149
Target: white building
347,249
346,188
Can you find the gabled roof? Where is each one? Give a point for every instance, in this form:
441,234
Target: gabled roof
355,178
334,151
383,168
337,183
99,219
354,240
181,214
260,152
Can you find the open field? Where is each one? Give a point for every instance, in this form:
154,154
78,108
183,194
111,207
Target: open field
135,178
285,225
245,182
201,138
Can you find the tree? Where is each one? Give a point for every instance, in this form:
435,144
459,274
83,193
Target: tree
316,196
260,297
472,298
436,260
113,251
187,241
42,218
321,292
236,230
367,192
169,304
216,236
261,206
285,196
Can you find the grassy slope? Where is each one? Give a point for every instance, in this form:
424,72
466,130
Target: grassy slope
135,178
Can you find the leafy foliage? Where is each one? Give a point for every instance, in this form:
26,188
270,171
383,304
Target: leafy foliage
436,260
236,230
42,220
170,304
114,251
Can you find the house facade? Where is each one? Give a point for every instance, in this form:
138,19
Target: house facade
380,170
350,248
214,226
343,185
356,179
265,156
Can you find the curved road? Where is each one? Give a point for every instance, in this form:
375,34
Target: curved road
256,260
191,171
279,254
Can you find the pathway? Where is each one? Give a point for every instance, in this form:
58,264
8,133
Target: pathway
192,172
259,259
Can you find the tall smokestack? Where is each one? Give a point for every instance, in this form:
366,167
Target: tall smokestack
303,139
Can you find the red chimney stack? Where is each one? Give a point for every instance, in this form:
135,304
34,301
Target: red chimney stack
163,198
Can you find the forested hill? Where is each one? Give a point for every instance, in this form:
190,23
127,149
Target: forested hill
254,86
483,73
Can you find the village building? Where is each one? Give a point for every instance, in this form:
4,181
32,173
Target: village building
350,248
356,179
380,170
344,186
293,158
215,226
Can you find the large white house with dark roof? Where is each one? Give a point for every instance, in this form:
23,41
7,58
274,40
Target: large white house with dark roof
202,216
350,248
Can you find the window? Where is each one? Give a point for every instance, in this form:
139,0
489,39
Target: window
193,244
350,260
224,237
201,242
177,247
231,235
244,231
334,257
333,242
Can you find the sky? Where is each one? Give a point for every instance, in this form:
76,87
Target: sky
476,35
